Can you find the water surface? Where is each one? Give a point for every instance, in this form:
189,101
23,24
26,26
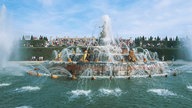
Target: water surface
24,91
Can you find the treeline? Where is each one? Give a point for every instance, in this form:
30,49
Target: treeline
157,42
34,41
35,38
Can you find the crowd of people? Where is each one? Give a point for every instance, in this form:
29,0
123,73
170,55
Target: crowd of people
87,42
73,42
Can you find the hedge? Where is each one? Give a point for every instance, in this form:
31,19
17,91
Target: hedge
26,53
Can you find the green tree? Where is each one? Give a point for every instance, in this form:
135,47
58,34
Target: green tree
177,39
137,41
45,38
166,39
40,38
32,37
23,38
150,38
143,38
158,38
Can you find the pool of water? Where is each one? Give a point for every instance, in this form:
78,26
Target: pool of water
19,90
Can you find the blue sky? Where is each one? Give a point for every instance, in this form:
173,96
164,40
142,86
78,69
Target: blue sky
129,18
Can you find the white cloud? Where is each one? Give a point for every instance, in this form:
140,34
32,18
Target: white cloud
142,17
170,18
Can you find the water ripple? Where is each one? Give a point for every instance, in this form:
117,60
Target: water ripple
162,92
115,92
189,87
4,84
24,107
77,93
27,88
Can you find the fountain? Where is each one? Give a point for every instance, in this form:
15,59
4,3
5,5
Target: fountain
107,60
8,47
6,41
103,75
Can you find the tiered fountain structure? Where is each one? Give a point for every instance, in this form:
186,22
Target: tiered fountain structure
107,60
